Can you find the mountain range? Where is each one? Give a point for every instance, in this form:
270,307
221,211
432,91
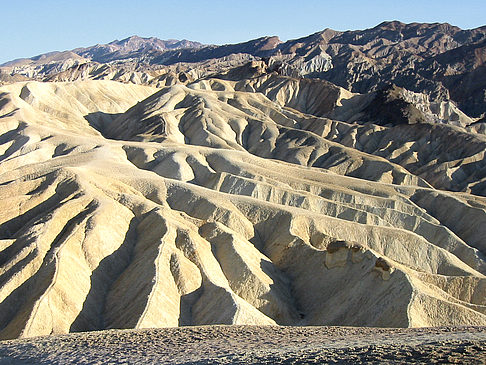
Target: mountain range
440,60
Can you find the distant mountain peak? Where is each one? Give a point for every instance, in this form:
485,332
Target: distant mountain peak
133,46
268,43
391,24
136,40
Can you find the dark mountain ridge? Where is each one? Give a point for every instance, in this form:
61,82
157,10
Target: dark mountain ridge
438,59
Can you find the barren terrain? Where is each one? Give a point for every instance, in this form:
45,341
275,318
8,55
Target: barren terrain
244,193
253,345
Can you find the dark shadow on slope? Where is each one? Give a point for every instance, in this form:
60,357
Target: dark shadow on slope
62,150
102,278
20,303
150,129
18,267
101,121
126,303
186,304
3,100
291,314
12,227
188,300
19,140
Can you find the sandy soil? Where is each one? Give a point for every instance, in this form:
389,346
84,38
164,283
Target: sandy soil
253,344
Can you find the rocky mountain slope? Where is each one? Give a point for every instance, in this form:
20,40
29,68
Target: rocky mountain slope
440,60
236,191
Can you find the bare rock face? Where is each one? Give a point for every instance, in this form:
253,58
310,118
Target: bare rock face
235,193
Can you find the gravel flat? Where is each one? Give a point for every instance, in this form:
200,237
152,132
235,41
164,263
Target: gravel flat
253,344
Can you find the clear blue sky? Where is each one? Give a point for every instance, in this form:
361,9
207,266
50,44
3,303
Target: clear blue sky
32,27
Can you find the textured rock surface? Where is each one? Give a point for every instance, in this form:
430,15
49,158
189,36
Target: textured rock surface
440,60
204,204
254,345
233,193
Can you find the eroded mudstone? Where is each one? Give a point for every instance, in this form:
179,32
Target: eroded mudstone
339,252
383,267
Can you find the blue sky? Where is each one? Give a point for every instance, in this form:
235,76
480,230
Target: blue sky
32,27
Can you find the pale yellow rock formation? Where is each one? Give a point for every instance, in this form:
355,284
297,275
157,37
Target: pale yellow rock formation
126,206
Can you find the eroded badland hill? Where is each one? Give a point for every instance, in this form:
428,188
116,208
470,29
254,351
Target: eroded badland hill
337,179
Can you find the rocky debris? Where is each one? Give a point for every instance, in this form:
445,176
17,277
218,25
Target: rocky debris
254,345
339,253
340,244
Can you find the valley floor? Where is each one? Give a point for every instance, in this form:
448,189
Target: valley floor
253,344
